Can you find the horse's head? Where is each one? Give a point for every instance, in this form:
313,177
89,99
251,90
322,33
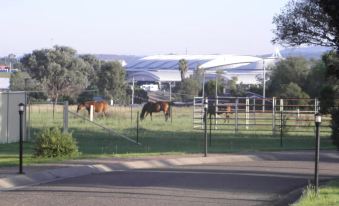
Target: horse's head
80,107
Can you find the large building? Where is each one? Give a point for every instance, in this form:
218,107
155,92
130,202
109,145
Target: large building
165,68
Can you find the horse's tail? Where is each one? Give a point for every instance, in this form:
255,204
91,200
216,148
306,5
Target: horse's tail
143,111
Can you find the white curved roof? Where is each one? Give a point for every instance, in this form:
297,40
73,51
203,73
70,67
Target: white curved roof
156,76
165,68
193,61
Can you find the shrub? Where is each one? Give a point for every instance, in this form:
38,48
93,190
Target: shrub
51,142
335,127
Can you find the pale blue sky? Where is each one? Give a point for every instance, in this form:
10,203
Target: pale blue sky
139,27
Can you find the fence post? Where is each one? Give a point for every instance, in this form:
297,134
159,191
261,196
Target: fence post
254,111
281,105
7,116
216,112
65,129
210,130
247,111
171,113
91,113
138,127
273,113
236,114
28,128
281,128
131,115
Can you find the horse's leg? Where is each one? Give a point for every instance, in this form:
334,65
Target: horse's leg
150,114
166,116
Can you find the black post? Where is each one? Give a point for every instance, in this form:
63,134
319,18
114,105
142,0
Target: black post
21,112
210,130
138,127
205,120
281,128
317,148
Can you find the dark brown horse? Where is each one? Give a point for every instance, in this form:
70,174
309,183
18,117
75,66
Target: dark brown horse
98,106
218,110
151,107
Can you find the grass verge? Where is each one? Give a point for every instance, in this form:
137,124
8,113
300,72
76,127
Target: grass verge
328,195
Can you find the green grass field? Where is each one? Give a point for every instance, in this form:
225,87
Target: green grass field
328,196
156,136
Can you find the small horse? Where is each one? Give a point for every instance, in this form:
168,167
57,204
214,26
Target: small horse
151,107
98,106
222,109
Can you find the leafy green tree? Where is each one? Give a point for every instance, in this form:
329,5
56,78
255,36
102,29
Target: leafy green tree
235,89
111,81
210,88
183,68
190,86
59,70
316,79
305,22
21,81
292,90
94,66
315,22
291,70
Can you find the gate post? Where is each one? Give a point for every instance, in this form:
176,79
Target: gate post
247,111
236,114
91,113
65,129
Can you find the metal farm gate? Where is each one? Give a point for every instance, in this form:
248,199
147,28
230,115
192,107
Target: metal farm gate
241,114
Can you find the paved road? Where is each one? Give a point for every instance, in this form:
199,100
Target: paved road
264,182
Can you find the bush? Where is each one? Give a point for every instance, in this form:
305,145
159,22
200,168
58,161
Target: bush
335,127
51,142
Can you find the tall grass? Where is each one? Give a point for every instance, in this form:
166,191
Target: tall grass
328,195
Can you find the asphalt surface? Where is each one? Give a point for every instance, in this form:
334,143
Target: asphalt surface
263,182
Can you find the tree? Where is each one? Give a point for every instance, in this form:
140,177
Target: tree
316,79
190,86
315,22
183,68
291,70
305,22
292,90
20,81
111,81
210,88
59,70
94,66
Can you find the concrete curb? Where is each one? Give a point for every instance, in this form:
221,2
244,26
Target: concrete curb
19,181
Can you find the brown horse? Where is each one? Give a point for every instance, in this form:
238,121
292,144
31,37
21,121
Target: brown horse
151,107
98,106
